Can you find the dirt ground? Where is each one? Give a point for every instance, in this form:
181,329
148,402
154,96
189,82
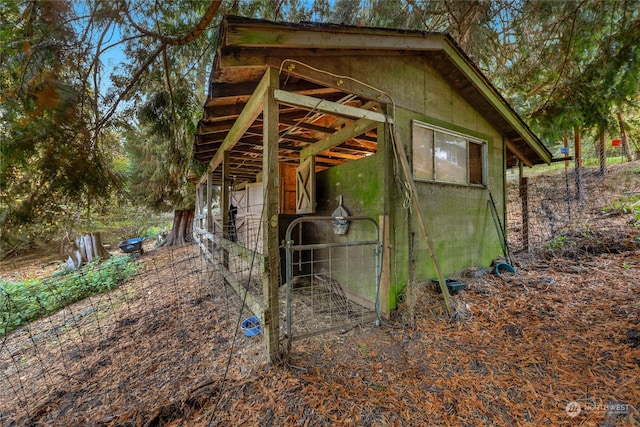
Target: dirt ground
557,343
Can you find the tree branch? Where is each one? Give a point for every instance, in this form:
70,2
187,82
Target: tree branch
195,32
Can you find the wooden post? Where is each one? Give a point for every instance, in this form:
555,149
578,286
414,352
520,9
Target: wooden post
270,186
524,200
198,208
565,141
602,152
224,206
385,274
408,176
209,203
577,141
625,139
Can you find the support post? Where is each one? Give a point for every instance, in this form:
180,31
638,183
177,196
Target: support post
577,142
224,206
408,176
198,206
271,191
209,203
524,200
385,276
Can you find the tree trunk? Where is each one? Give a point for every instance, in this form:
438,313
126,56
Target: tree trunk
577,141
625,140
85,249
602,153
565,141
182,232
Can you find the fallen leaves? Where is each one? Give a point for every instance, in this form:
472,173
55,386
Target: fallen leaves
558,331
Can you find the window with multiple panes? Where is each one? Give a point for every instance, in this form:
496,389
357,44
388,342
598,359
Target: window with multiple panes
446,156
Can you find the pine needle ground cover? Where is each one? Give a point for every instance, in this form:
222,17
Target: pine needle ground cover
557,343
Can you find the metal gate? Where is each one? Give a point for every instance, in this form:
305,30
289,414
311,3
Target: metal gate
332,275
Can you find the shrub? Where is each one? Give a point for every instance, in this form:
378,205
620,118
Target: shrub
25,301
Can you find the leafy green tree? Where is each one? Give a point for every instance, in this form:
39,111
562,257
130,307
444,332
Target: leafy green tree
66,107
53,164
167,103
577,64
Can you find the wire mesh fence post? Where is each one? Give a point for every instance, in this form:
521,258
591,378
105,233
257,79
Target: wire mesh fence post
524,198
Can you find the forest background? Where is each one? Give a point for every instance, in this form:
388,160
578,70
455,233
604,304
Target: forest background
99,100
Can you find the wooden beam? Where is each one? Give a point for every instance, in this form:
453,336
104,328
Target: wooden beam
315,104
246,35
385,275
270,244
343,83
305,125
235,249
233,98
224,204
406,169
248,115
511,147
319,159
354,129
253,303
209,202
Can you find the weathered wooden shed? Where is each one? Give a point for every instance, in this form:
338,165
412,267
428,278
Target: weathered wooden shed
399,126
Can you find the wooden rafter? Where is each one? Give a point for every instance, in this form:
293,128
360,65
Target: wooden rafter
356,128
329,107
249,113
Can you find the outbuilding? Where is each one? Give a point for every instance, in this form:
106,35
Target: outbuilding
350,162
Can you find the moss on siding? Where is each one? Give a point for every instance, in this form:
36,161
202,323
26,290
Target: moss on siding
361,185
458,217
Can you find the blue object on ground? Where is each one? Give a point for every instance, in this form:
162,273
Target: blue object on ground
503,266
251,326
131,245
452,285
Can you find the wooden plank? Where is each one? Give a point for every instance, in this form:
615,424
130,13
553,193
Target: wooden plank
246,35
252,302
246,118
329,107
325,78
385,273
235,249
306,187
406,169
209,220
224,204
270,243
354,129
518,154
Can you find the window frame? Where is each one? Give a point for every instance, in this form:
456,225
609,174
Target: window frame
433,165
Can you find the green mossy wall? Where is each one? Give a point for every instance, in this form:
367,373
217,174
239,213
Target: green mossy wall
361,185
458,217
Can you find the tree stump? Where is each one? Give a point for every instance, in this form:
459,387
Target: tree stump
85,249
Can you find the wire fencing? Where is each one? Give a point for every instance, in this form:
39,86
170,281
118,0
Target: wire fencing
143,353
331,283
569,216
153,348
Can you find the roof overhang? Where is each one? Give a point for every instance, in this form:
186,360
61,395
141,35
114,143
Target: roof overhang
248,47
